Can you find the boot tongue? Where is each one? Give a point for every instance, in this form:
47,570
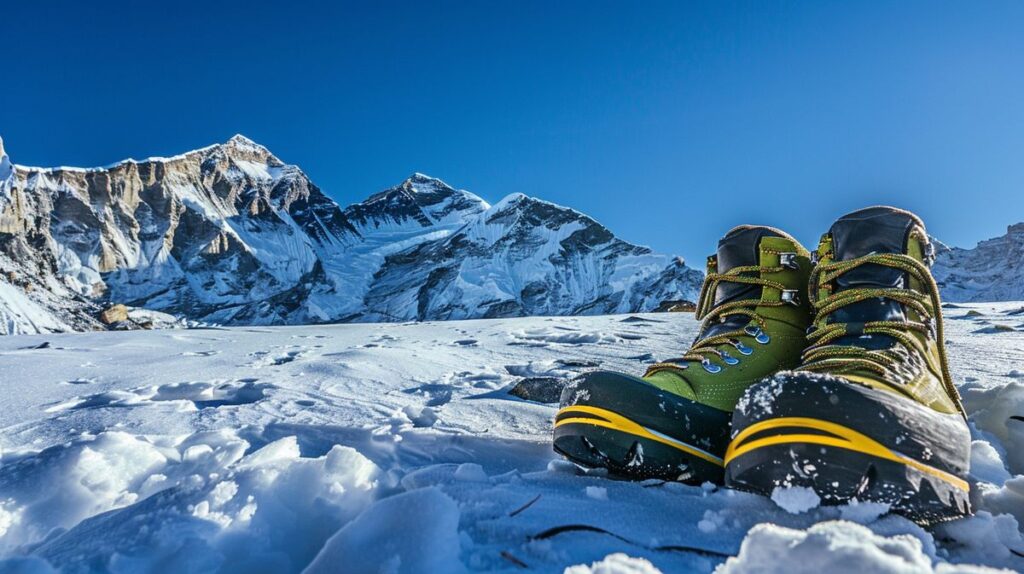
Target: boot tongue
739,248
871,231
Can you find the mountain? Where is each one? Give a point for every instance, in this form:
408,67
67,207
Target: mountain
522,257
230,234
991,271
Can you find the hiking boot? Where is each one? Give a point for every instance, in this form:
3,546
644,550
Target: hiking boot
871,414
673,423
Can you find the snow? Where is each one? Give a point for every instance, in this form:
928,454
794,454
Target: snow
369,545
834,546
397,448
616,564
21,315
6,169
795,499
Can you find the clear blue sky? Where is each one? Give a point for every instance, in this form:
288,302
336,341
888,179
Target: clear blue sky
668,122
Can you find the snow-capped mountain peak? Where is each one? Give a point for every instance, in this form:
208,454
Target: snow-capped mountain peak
231,234
991,271
419,201
242,141
525,256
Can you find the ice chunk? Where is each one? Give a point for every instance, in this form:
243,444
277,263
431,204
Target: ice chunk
795,499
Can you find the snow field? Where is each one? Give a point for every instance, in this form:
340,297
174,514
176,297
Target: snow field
398,448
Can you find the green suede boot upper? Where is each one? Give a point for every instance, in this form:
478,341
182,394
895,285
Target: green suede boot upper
755,313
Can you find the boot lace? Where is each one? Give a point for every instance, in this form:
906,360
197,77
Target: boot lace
824,354
703,349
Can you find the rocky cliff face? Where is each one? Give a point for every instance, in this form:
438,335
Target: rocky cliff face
230,234
226,234
991,271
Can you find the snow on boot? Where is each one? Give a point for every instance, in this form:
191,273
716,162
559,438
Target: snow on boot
673,423
872,413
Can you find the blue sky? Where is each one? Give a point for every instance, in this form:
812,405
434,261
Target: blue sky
668,122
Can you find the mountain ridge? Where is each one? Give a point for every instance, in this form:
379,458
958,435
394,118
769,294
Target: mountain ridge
230,234
992,270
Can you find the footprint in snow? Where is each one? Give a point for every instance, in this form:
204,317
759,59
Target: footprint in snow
465,342
437,394
265,359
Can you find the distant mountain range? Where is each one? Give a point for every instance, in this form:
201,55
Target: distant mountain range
991,271
229,234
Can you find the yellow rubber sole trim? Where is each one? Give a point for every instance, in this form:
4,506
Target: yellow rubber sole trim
846,438
620,423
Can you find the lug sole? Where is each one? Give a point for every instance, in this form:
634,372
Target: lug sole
604,439
847,441
839,474
664,436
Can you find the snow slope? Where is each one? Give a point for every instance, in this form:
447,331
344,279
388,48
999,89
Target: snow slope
399,448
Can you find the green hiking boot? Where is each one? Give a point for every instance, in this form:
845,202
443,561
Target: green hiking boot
673,423
872,413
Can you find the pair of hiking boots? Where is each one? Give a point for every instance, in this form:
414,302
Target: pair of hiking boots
824,370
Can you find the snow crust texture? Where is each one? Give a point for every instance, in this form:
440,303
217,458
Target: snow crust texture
400,448
229,234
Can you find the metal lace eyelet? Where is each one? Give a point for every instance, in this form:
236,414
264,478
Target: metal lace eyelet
788,260
791,296
758,335
710,367
729,359
743,349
